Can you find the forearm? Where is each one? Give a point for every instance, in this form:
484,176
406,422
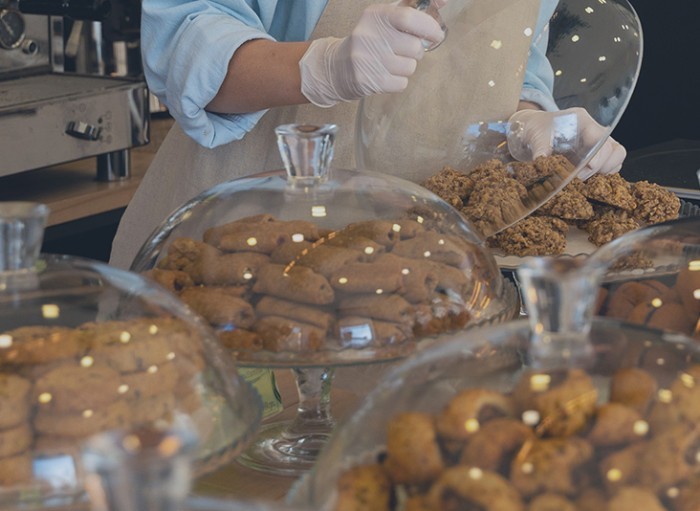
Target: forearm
528,105
261,74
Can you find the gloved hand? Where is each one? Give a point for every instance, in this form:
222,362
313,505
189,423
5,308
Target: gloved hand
532,132
377,57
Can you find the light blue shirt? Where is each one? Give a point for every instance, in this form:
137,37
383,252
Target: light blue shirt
187,45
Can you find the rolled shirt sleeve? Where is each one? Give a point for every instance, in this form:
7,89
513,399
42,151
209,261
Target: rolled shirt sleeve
539,77
187,46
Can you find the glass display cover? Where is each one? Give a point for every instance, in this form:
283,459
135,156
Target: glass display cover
86,348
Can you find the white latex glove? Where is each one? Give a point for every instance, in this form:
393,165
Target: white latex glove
532,133
379,55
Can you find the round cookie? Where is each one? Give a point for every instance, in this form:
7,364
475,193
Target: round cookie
128,346
14,400
15,470
81,424
71,388
15,440
34,345
158,379
151,409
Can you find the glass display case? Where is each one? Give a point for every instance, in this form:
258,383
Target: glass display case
315,267
560,411
654,278
86,348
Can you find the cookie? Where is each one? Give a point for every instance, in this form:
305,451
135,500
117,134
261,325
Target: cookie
35,345
15,440
81,424
71,388
15,470
152,409
130,346
157,379
14,400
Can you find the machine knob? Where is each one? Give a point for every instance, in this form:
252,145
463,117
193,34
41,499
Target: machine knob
79,129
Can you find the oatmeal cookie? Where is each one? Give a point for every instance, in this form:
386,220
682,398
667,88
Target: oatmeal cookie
450,185
525,173
72,388
655,204
555,164
128,346
14,400
15,440
492,170
36,345
84,423
532,236
16,470
610,189
611,225
495,204
569,204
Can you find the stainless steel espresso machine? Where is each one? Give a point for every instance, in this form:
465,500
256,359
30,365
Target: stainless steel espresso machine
48,116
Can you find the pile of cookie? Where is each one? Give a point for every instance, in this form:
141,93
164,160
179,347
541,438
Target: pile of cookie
270,285
548,445
495,194
61,385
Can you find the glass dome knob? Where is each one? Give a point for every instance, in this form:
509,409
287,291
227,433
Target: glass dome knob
306,151
560,296
21,233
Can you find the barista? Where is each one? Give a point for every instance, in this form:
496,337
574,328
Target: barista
231,70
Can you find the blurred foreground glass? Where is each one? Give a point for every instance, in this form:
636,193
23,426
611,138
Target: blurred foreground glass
583,412
86,348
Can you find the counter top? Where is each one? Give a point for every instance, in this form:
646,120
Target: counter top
71,191
234,481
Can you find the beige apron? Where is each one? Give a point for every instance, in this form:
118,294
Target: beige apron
182,168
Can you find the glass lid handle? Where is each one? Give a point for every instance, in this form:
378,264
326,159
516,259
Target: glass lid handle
431,8
307,151
560,296
21,233
142,470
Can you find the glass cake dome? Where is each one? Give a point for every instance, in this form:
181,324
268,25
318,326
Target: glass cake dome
560,411
654,278
315,267
86,348
453,117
